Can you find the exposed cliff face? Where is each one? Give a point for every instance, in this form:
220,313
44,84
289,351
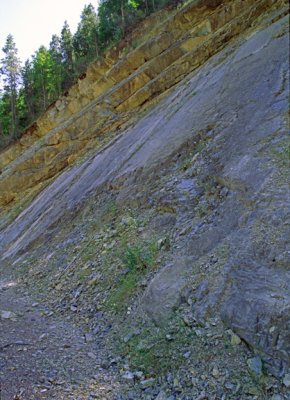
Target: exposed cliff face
203,166
115,88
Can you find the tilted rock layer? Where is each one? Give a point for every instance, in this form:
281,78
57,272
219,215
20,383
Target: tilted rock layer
226,65
115,88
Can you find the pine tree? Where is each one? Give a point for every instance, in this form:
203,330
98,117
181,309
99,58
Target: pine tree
56,68
43,79
5,118
86,37
111,21
114,17
28,91
67,51
52,71
10,69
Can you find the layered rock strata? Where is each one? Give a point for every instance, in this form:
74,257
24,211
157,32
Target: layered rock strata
228,205
114,89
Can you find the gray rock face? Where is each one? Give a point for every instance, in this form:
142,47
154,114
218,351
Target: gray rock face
257,307
251,294
238,102
164,292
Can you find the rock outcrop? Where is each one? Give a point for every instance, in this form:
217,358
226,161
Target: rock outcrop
226,65
114,89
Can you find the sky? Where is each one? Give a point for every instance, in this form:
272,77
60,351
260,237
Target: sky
33,22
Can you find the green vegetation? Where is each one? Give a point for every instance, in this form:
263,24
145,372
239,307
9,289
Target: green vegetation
139,256
113,257
279,152
137,259
154,351
50,72
10,70
110,211
186,162
282,156
88,251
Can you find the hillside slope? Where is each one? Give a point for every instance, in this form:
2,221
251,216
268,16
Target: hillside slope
114,89
169,239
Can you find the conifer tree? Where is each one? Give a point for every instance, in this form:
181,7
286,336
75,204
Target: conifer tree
10,69
41,76
52,71
56,68
67,51
29,91
112,19
5,119
86,37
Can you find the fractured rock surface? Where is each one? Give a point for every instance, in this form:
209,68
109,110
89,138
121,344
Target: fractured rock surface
225,210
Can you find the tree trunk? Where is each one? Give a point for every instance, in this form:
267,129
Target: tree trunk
44,96
13,111
147,8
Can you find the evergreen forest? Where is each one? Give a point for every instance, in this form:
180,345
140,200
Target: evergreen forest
28,88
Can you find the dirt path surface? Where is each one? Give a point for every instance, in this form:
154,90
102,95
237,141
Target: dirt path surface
43,356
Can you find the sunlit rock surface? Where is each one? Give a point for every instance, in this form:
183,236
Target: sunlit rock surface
227,70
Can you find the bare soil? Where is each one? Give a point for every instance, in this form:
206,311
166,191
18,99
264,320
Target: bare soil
43,356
